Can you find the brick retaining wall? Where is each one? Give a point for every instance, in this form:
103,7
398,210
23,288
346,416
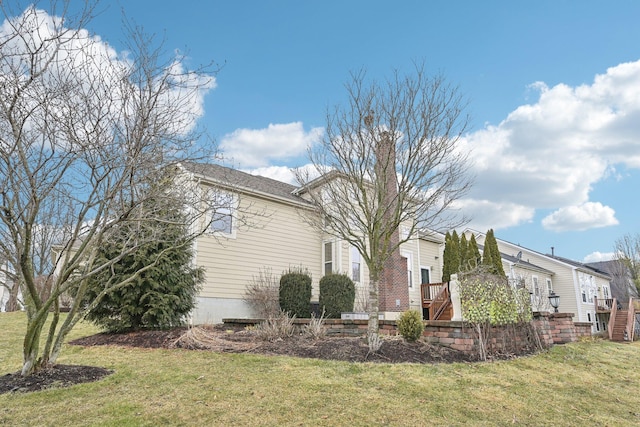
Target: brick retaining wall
552,328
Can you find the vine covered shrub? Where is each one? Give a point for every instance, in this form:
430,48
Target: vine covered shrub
410,325
295,293
337,294
489,301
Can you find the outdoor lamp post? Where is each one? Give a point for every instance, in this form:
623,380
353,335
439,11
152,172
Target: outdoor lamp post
554,300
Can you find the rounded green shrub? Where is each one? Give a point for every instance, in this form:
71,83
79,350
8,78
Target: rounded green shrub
337,294
410,325
295,293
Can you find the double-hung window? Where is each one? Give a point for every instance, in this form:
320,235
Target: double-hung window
222,214
356,263
328,258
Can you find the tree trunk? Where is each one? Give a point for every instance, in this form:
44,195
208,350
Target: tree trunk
373,307
31,346
12,302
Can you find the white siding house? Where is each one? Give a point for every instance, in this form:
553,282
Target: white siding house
576,283
265,227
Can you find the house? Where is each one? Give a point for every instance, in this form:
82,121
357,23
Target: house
579,286
622,286
264,226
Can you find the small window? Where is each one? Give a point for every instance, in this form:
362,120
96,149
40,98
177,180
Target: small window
355,264
549,287
536,286
222,207
409,257
328,258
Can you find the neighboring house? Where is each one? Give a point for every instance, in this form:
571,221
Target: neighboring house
265,227
622,286
577,284
538,280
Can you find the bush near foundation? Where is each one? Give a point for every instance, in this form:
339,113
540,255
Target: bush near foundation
410,325
295,293
337,294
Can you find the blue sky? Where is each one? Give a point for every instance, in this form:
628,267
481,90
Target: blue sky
553,90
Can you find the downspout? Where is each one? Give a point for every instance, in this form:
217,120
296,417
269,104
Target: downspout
577,294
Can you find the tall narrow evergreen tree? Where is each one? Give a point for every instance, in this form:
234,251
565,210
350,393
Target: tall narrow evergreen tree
446,258
491,245
473,253
487,259
455,252
464,249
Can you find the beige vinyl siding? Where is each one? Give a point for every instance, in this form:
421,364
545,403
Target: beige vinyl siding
413,247
279,239
431,256
540,302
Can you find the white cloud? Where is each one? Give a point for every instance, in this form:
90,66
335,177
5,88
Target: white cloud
488,214
549,154
98,79
279,173
252,148
285,173
582,217
599,256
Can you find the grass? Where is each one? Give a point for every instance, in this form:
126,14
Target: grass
582,384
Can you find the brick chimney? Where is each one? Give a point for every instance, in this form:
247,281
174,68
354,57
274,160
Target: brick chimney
394,287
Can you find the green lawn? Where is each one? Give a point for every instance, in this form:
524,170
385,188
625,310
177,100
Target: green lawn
590,383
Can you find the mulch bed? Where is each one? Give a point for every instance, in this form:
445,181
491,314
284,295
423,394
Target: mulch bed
53,377
220,339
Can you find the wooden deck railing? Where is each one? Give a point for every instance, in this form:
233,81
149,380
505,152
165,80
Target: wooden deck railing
612,318
631,318
429,292
603,304
435,298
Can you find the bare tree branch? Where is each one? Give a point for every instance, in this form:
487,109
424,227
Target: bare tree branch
84,133
389,159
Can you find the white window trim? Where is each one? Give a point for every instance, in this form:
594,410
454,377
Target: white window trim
333,256
351,261
410,273
535,284
424,267
234,218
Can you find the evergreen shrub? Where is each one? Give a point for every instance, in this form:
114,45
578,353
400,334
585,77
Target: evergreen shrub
295,293
410,325
337,294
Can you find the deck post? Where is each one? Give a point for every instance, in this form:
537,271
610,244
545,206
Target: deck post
456,305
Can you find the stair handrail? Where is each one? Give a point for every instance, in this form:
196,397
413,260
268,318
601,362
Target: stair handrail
439,302
612,318
631,315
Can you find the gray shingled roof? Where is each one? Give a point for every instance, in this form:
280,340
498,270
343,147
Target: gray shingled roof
581,265
244,181
521,262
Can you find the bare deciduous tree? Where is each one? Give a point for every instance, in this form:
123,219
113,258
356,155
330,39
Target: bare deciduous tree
83,132
389,159
627,249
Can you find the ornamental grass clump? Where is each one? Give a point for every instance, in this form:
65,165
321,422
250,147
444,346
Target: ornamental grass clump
410,325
